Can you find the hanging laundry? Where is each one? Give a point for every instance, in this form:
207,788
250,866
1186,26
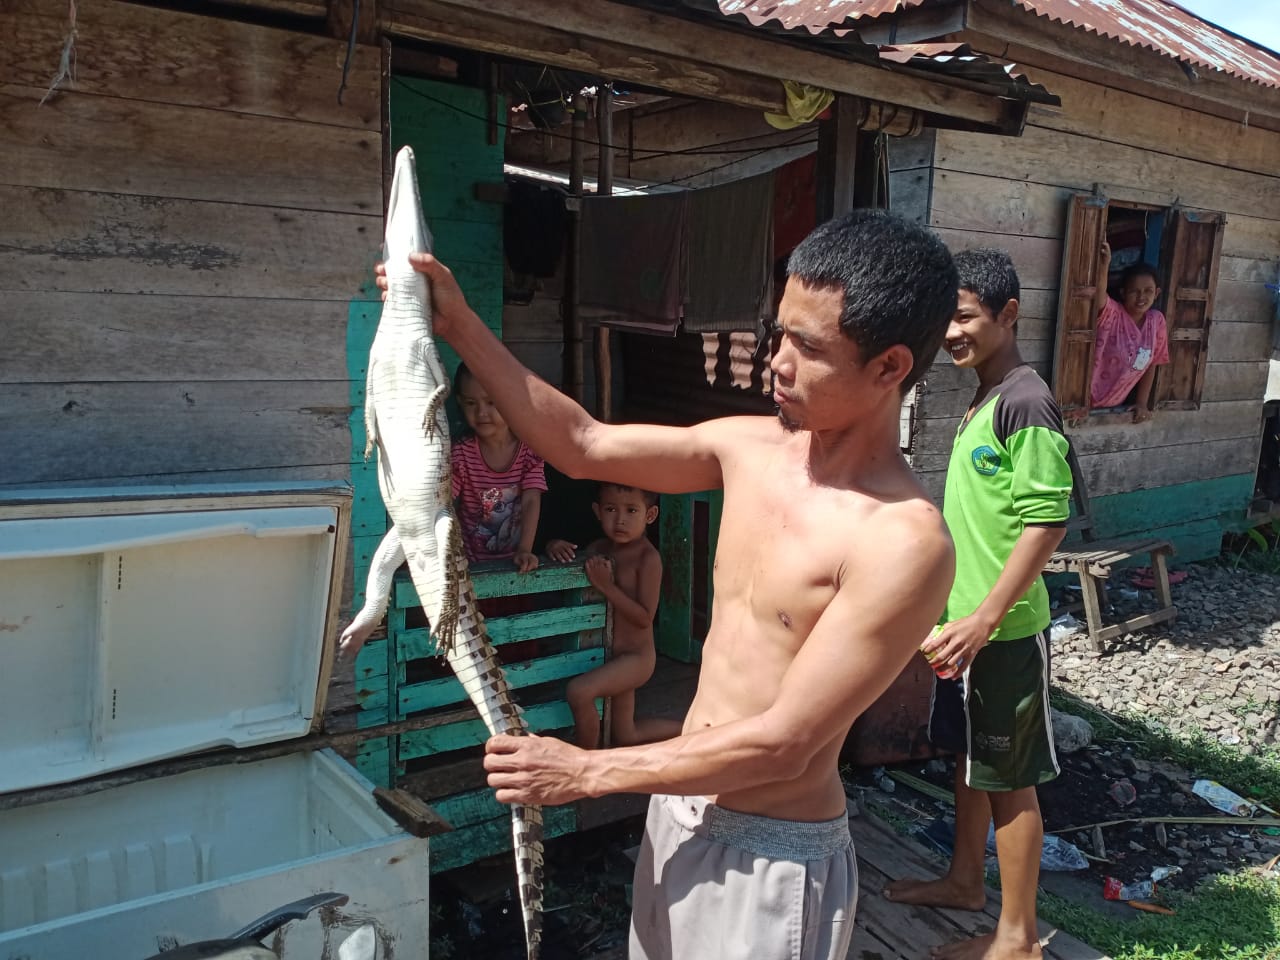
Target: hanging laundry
730,255
632,269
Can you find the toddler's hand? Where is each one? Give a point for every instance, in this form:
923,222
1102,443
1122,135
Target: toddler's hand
600,572
525,561
561,550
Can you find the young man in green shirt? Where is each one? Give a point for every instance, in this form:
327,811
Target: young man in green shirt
1006,503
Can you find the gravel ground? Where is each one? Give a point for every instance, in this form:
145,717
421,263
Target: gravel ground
1213,670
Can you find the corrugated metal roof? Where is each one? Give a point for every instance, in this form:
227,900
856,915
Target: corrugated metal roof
1158,25
956,60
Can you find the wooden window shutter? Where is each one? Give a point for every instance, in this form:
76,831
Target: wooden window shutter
1192,285
1073,352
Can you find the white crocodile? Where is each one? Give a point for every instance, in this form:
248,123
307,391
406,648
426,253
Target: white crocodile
405,420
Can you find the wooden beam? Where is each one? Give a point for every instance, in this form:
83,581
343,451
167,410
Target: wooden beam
603,348
301,8
698,47
473,30
837,159
1005,32
135,52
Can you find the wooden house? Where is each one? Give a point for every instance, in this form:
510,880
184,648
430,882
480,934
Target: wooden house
1167,142
192,211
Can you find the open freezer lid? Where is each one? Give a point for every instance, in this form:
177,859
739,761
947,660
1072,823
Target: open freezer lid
155,622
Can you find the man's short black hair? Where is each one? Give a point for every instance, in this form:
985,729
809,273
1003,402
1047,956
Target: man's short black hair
650,498
990,276
1133,271
898,281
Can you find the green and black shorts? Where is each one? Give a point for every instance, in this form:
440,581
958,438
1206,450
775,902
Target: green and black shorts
997,714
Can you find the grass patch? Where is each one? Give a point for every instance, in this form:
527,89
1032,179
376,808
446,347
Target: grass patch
1225,918
1256,549
1230,917
1256,776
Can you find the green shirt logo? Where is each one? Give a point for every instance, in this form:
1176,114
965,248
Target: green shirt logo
986,461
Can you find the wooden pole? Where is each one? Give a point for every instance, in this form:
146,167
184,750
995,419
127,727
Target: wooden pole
604,188
572,322
838,157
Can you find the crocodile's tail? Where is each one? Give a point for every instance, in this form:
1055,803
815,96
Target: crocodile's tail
475,663
526,832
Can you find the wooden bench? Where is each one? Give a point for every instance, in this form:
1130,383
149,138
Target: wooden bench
1093,560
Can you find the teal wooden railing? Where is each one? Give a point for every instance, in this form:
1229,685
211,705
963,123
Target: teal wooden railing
548,626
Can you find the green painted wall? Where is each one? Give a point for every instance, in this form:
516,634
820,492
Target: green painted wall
1193,516
447,127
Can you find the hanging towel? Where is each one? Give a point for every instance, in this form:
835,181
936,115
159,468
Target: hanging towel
730,255
632,261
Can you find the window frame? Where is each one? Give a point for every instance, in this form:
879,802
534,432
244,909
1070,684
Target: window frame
1191,248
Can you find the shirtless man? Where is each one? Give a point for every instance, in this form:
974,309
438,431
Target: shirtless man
831,568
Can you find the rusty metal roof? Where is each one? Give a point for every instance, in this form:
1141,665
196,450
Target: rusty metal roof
1159,25
957,61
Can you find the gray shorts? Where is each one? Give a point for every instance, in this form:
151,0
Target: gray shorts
716,884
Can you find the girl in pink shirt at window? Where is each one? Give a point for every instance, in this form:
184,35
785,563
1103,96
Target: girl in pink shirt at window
1132,338
498,481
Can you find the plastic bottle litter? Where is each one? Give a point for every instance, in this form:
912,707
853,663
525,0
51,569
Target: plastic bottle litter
1220,798
1113,889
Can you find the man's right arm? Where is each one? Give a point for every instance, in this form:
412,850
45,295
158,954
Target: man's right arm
659,458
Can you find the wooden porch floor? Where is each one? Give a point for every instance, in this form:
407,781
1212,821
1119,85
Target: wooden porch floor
893,931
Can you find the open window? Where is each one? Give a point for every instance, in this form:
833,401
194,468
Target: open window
1184,247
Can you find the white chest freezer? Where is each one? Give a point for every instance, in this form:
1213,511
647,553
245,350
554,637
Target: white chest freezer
159,623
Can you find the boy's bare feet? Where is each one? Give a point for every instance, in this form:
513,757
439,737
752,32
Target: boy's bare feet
943,892
987,948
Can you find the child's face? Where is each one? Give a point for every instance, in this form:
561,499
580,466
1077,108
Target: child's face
478,410
975,333
623,514
1139,295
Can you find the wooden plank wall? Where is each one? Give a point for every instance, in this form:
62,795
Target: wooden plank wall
1180,472
186,225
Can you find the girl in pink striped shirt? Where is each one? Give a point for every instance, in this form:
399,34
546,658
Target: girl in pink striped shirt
498,481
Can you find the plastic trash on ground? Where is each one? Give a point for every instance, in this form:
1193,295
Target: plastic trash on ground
1123,792
1228,801
1056,855
1062,627
1113,889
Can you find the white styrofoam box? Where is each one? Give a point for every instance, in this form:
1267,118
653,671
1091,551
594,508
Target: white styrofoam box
118,875
153,624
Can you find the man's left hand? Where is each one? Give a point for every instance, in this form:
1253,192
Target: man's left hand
535,770
956,645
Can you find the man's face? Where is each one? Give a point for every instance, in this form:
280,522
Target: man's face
817,370
974,333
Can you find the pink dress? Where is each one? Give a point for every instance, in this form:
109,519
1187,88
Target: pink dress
489,500
1124,352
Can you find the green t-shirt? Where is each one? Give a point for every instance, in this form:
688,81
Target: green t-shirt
1008,470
